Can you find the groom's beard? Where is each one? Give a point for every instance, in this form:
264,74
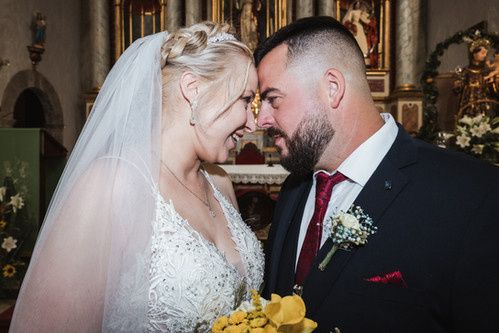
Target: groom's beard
307,144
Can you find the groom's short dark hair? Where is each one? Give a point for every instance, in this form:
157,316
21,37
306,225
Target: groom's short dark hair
312,32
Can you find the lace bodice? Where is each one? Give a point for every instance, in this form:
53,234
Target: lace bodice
192,283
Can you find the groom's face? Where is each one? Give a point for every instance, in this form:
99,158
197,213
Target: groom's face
297,121
284,101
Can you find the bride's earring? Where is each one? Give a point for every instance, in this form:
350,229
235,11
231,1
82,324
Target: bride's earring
194,106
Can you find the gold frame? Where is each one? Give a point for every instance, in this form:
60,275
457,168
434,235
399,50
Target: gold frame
384,33
119,24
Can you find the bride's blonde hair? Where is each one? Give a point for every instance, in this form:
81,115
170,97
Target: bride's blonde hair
210,51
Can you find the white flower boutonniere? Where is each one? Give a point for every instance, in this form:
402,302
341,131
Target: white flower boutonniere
347,230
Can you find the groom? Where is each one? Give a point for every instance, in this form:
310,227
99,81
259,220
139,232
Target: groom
433,263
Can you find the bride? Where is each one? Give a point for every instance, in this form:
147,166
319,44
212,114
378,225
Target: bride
143,233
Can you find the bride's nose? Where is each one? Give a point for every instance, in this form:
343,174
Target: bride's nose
250,125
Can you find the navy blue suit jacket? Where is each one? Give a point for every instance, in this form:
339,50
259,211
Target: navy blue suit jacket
437,214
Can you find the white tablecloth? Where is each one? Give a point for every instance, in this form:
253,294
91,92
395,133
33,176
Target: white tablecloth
256,173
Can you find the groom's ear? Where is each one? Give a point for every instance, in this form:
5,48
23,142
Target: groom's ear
335,85
189,86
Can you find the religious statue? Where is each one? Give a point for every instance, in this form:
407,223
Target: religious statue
248,22
39,27
37,47
493,76
477,83
363,25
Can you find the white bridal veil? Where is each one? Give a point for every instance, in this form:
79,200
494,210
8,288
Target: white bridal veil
89,270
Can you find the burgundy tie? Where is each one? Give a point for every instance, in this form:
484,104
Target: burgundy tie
312,242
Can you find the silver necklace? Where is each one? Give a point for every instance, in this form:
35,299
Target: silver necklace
206,202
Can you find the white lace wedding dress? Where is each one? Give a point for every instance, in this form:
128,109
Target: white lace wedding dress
192,283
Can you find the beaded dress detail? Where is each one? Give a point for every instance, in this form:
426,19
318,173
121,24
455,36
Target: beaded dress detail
192,282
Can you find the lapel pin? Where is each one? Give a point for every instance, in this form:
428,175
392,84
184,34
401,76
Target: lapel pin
388,185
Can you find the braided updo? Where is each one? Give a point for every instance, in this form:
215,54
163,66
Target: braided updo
189,48
210,51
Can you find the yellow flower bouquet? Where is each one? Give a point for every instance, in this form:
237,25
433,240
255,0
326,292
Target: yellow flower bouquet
279,315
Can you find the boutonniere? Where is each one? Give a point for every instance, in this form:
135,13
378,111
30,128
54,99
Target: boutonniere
347,230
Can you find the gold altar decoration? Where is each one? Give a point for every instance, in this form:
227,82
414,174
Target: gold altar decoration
254,20
135,19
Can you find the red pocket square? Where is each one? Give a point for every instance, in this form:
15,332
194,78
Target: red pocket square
389,278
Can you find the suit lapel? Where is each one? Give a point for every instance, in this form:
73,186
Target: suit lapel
377,195
289,212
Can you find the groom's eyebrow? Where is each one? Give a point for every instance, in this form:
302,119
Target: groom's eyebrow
267,91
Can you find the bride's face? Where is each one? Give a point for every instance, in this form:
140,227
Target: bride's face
223,133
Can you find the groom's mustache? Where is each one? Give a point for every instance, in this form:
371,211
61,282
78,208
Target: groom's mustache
274,131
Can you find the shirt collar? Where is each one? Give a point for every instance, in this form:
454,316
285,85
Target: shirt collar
363,161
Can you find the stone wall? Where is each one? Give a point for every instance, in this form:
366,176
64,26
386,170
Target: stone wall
58,74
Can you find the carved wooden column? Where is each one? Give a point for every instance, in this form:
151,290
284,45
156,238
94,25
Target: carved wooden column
98,35
409,61
95,48
192,12
289,11
209,10
410,44
326,8
304,8
162,18
118,38
173,15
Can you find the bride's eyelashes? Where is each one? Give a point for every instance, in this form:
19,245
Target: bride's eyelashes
247,100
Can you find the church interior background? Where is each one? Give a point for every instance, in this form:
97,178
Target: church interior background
55,55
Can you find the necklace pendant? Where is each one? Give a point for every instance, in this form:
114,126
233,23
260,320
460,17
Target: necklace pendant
212,213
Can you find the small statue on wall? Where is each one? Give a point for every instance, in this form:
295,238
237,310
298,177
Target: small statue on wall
39,27
37,47
477,82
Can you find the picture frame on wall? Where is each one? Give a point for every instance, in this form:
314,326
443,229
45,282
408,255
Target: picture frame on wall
369,21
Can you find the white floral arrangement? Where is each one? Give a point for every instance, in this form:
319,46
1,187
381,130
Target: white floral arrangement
478,136
346,230
13,226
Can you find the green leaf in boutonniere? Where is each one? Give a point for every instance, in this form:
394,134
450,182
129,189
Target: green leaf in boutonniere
347,230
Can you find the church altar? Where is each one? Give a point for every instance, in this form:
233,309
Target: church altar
262,174
257,187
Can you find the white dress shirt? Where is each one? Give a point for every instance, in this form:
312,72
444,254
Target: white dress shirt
358,167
